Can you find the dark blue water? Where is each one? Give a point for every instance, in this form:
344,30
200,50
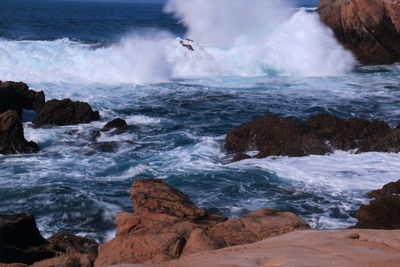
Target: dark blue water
124,59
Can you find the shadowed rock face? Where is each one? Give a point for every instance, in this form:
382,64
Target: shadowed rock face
21,242
383,212
118,125
369,28
12,138
65,112
321,134
17,96
166,225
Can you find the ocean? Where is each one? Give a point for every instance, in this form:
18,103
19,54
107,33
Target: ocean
251,58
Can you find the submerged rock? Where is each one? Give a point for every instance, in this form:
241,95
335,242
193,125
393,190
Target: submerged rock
12,138
383,212
166,225
369,28
118,125
65,112
319,135
17,96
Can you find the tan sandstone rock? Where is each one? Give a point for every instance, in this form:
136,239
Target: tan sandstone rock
166,225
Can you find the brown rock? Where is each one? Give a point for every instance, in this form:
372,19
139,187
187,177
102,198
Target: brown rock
20,240
21,243
12,138
17,96
65,112
304,248
116,124
319,135
369,28
68,243
166,225
383,212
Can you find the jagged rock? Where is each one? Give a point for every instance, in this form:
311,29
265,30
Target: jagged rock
116,124
69,243
383,212
321,134
12,138
21,243
166,225
17,96
240,157
369,28
20,240
65,112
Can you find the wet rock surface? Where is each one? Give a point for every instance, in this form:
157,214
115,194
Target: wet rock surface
65,112
17,96
320,134
12,138
368,28
117,125
383,211
166,225
22,243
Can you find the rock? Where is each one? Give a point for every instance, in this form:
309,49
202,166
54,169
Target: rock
304,248
388,190
65,112
383,212
69,243
12,138
20,240
118,125
17,96
319,135
105,147
369,28
166,225
240,157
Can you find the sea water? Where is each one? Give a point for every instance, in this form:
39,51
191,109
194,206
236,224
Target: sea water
251,58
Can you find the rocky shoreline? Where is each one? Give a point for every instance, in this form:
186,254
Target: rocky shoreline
166,228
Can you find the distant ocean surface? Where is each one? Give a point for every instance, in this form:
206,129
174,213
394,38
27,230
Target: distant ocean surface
125,59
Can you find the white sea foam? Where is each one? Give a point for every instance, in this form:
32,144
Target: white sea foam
236,39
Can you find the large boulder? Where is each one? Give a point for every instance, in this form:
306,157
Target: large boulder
166,225
17,96
319,135
12,138
65,112
369,28
21,242
383,212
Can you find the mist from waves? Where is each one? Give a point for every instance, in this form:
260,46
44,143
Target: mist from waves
242,38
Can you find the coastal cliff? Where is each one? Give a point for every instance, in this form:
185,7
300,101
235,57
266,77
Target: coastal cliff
368,28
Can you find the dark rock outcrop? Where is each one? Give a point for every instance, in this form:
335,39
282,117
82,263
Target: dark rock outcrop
118,125
65,112
21,242
12,138
321,134
383,212
369,28
166,225
17,96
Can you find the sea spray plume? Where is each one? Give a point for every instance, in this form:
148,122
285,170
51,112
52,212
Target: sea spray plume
224,22
252,38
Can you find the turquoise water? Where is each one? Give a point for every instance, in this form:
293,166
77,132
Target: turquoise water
125,60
